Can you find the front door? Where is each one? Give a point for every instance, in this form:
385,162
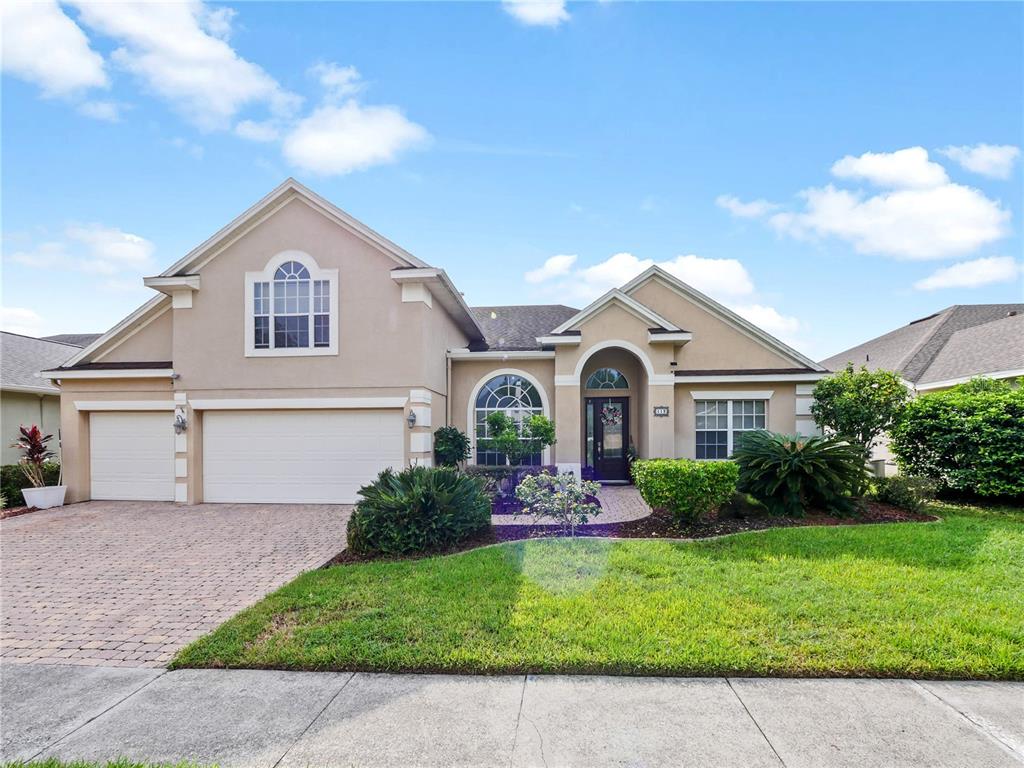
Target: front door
608,437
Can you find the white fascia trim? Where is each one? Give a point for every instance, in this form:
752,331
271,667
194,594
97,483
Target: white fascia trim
298,403
737,379
124,405
554,341
628,302
727,394
170,285
450,297
497,354
680,337
1010,374
284,193
715,308
124,325
40,390
117,373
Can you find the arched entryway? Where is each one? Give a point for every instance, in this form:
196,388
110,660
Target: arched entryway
613,402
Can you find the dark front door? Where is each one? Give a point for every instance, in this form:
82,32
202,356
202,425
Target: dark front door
608,437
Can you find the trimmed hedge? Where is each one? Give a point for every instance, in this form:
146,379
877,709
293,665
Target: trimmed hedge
905,491
968,439
685,488
12,480
417,510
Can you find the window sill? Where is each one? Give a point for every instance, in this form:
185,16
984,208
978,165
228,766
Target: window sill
293,352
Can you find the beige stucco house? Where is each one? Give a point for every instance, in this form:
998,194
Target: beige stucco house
297,352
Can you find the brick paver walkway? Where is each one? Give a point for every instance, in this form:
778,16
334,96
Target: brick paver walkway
619,503
129,583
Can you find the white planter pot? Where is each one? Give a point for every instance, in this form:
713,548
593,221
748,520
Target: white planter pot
44,498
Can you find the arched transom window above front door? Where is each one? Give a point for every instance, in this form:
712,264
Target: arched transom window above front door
607,378
291,308
510,394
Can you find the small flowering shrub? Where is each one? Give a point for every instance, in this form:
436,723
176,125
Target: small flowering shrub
562,497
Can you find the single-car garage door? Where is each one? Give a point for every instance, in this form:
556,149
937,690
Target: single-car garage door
282,457
131,455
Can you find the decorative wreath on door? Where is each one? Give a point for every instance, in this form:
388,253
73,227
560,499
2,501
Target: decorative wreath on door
611,416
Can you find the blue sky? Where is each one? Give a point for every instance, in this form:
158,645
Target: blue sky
830,171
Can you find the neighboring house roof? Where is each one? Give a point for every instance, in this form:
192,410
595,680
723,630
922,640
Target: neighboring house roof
515,328
74,339
995,347
918,351
23,357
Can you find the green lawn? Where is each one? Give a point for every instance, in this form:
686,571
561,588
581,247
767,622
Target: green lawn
941,599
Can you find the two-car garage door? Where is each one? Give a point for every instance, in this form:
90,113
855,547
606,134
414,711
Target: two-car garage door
292,456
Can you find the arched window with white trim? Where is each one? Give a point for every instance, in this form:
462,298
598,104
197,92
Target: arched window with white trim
292,308
607,378
514,396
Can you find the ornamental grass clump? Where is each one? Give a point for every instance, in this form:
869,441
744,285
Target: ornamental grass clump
791,473
416,510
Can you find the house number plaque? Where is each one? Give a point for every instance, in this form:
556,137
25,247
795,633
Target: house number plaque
661,410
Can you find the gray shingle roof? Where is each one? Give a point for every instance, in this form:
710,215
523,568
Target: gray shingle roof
77,339
913,349
22,357
986,348
517,327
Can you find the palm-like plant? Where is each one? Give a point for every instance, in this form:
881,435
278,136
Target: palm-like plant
789,473
32,445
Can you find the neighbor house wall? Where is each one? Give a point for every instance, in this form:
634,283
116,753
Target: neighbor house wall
27,408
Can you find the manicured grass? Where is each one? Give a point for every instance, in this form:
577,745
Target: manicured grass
942,599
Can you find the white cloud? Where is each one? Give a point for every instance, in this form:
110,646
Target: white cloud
190,148
994,161
180,51
101,110
555,266
771,320
717,277
543,13
338,82
44,46
21,320
972,274
336,140
752,210
934,223
258,131
904,169
91,248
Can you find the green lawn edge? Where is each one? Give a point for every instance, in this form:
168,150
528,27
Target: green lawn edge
941,600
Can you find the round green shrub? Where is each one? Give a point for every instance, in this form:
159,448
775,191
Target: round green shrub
417,510
685,488
451,446
905,491
789,473
970,439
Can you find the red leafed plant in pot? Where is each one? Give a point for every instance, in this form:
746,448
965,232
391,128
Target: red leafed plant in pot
35,453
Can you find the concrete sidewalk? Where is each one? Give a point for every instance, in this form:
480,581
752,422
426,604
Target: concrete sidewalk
254,718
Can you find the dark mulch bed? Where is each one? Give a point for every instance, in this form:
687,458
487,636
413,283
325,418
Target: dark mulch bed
15,511
659,525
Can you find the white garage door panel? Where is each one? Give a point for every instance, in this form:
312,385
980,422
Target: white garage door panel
131,456
282,457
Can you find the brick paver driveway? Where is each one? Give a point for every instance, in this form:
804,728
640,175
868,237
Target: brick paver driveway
129,583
